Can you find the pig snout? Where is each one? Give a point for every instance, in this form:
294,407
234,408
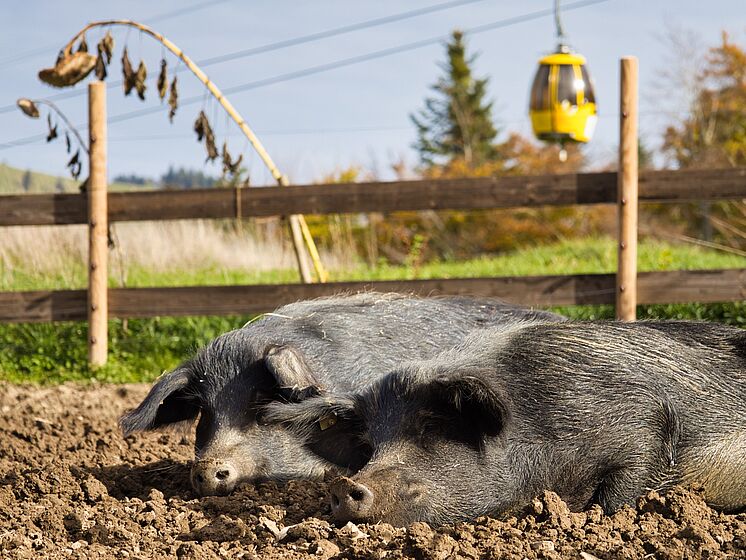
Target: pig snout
211,477
350,500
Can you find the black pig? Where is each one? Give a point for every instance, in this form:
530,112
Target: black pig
309,348
597,412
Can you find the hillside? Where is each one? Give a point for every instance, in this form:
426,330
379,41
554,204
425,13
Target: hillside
12,181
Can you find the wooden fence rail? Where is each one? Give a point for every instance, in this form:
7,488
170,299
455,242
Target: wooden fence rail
442,194
653,287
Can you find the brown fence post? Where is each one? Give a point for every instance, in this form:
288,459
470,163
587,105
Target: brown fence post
98,309
626,277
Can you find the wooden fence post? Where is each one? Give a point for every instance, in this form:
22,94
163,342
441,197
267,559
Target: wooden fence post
98,308
626,277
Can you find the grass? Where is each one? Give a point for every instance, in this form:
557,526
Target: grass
12,181
145,254
584,256
141,349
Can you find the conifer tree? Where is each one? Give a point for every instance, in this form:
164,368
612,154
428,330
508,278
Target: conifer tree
456,124
26,181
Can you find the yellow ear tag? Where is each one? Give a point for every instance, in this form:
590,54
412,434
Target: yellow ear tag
327,421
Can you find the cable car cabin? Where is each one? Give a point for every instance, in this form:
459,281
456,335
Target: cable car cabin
563,105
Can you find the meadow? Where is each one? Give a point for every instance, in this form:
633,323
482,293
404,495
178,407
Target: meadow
209,253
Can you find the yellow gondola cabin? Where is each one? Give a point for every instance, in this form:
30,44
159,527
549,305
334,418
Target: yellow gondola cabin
563,105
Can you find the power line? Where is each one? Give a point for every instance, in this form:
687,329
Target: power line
334,32
284,44
269,132
15,58
507,22
281,44
334,130
183,11
12,59
145,137
360,58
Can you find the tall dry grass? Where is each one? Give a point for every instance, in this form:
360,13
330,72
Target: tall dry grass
42,255
37,252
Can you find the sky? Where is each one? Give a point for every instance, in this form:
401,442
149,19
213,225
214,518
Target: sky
358,113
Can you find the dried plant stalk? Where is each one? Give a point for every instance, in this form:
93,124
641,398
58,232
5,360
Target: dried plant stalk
61,76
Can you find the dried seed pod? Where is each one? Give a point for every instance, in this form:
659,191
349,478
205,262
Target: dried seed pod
129,73
100,67
226,158
212,150
236,167
140,76
75,165
162,83
69,69
104,57
230,166
204,130
199,125
28,107
52,134
106,45
83,45
173,100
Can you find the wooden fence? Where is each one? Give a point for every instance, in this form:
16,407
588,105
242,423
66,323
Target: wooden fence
506,192
625,289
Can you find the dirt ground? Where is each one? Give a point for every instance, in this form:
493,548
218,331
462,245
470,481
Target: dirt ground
72,487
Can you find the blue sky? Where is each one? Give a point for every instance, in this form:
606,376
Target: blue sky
356,114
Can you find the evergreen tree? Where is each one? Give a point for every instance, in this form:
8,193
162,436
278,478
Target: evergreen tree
456,124
186,178
26,181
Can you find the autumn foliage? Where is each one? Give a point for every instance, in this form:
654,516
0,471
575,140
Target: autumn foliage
714,132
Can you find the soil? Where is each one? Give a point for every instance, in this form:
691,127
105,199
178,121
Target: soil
72,487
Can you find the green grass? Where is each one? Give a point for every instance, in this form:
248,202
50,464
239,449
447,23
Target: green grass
582,256
141,349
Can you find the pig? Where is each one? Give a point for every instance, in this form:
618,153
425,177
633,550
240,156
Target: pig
598,412
302,350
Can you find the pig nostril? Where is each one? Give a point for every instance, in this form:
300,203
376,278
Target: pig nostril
222,474
357,495
335,500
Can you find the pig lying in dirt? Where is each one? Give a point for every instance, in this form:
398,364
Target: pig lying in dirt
597,412
325,346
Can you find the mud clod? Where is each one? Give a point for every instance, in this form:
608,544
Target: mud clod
72,487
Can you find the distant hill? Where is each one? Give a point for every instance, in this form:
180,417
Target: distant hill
19,181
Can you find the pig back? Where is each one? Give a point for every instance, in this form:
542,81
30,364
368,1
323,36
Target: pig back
349,341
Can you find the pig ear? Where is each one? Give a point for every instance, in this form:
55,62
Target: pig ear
311,415
168,402
331,426
480,407
292,373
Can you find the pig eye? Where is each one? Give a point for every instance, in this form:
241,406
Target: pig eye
427,425
430,427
